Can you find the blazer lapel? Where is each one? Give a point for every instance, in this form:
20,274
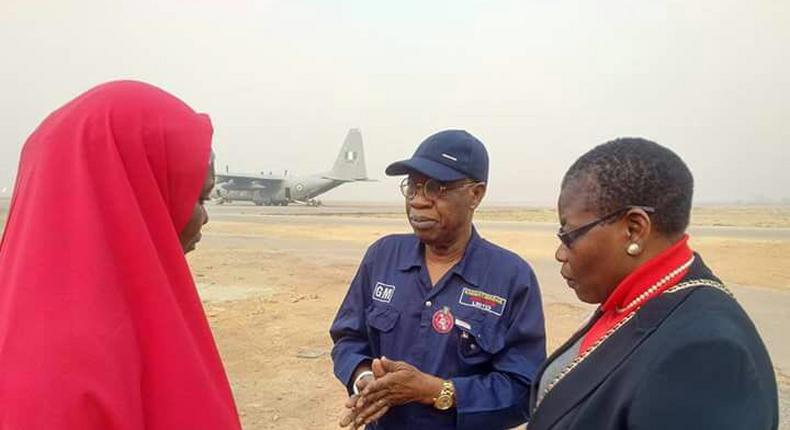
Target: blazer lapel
533,395
594,369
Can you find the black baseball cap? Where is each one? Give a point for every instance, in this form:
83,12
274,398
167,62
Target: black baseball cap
446,156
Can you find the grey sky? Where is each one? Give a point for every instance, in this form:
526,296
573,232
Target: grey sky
540,82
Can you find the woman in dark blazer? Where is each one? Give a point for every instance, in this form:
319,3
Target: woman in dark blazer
668,347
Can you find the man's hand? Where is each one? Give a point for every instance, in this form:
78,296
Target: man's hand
352,411
371,412
399,383
360,417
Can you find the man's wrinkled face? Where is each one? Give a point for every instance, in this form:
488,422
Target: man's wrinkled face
191,235
443,218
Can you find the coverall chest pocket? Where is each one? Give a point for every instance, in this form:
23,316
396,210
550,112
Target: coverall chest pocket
382,318
479,339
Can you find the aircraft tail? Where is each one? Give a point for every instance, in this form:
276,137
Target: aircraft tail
350,163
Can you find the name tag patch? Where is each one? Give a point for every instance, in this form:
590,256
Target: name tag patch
383,292
463,324
483,301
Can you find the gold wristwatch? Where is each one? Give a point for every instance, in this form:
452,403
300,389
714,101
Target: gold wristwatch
446,397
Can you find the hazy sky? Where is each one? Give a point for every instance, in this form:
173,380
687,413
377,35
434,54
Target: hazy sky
538,81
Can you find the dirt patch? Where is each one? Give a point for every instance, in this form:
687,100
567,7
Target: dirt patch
759,263
274,338
275,345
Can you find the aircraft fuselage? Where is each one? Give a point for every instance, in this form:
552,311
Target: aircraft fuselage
270,189
289,190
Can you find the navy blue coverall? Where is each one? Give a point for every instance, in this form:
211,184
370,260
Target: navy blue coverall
481,326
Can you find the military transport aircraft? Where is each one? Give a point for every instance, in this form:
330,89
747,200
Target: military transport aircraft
276,190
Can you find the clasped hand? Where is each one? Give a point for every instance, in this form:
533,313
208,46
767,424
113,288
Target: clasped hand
393,383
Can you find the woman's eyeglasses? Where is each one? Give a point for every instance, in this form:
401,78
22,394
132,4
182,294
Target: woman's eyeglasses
568,237
431,189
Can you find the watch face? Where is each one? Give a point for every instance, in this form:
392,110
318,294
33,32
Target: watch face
444,402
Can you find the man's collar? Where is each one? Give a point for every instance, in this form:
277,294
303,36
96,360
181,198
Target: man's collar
468,268
415,257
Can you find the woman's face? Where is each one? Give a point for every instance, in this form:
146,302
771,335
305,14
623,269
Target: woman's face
595,263
190,235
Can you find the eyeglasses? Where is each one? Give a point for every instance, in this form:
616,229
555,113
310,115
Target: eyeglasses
431,189
568,237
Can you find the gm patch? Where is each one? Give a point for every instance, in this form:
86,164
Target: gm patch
383,292
483,301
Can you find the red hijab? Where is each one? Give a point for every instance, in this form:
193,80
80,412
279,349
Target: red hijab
100,323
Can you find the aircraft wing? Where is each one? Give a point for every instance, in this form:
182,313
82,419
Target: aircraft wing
334,178
247,182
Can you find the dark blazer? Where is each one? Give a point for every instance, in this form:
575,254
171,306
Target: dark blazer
688,359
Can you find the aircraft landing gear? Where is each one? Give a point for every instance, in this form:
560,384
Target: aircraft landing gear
257,198
220,196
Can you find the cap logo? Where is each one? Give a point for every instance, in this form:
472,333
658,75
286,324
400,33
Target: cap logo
449,157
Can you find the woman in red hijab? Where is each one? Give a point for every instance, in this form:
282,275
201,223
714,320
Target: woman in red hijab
100,323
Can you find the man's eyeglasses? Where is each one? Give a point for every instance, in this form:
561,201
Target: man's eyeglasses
431,189
568,237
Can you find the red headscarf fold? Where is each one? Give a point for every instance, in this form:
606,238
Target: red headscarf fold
100,323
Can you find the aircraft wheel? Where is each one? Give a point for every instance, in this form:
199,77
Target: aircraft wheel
257,198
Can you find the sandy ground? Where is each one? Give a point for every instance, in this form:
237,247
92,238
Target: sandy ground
272,278
270,302
272,285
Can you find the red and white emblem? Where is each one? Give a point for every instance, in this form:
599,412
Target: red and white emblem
443,321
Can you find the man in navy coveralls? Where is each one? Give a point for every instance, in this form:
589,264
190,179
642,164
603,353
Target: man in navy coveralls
440,329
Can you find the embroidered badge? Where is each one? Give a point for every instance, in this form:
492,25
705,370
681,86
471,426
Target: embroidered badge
443,321
383,292
483,301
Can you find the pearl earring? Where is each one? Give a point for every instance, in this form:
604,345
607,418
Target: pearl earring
633,249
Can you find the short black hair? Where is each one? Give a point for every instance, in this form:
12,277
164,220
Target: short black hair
636,171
